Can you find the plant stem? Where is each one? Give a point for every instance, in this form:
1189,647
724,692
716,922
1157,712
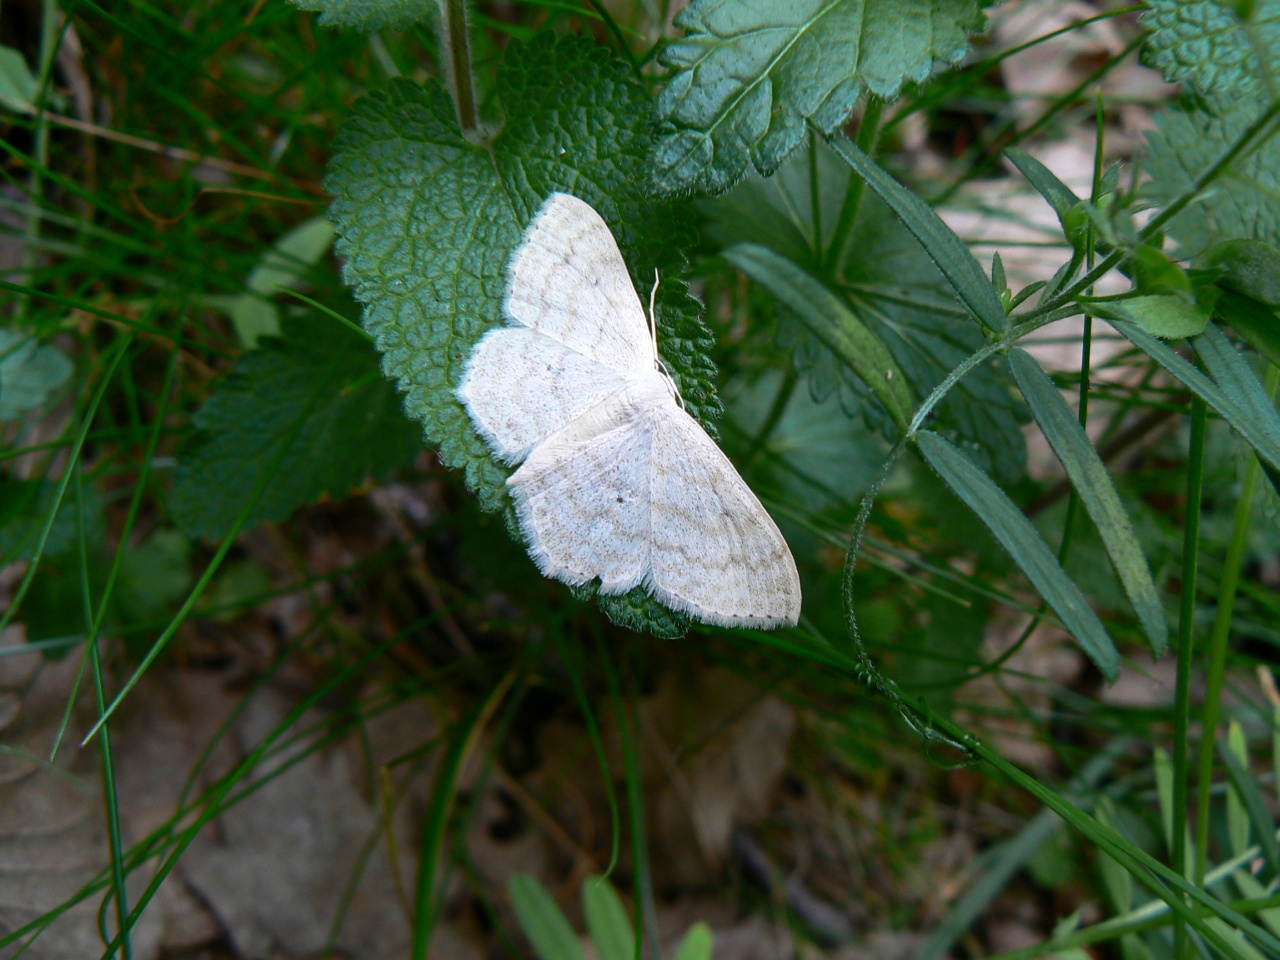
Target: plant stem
457,46
1216,673
1186,632
868,136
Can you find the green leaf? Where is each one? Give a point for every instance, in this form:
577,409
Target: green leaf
1117,880
1258,324
1237,815
542,920
831,321
940,242
154,577
1207,44
607,920
1231,389
893,289
312,407
1025,545
697,944
1046,183
428,220
1244,202
18,85
1089,476
368,15
283,266
1167,316
29,373
1250,268
24,509
748,75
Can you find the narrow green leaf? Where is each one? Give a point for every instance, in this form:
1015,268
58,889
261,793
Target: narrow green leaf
1163,765
1025,545
1251,810
831,321
1115,877
948,251
1045,181
1237,814
607,920
1089,476
697,943
18,85
1237,400
542,920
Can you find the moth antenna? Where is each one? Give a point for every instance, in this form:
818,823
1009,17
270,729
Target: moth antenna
653,332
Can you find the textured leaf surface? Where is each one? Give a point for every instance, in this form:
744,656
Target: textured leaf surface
29,373
428,221
1025,545
1089,476
897,292
368,15
305,415
1207,44
1243,203
749,74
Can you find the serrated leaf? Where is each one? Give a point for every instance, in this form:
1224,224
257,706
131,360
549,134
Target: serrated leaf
749,75
895,291
368,15
939,241
1250,268
428,222
542,920
1093,483
1207,44
1025,545
1243,203
831,321
607,920
29,372
1231,388
305,415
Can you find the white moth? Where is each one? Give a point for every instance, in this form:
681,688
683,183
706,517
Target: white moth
616,480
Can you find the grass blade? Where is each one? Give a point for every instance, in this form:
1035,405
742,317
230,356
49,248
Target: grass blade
1025,545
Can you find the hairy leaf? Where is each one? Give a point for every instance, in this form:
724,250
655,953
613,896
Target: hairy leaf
748,75
898,294
368,15
1206,43
1243,203
428,222
1025,545
299,417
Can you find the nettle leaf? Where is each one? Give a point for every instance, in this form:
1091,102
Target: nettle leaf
428,221
303,415
1243,203
368,15
1207,44
748,75
29,373
899,295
